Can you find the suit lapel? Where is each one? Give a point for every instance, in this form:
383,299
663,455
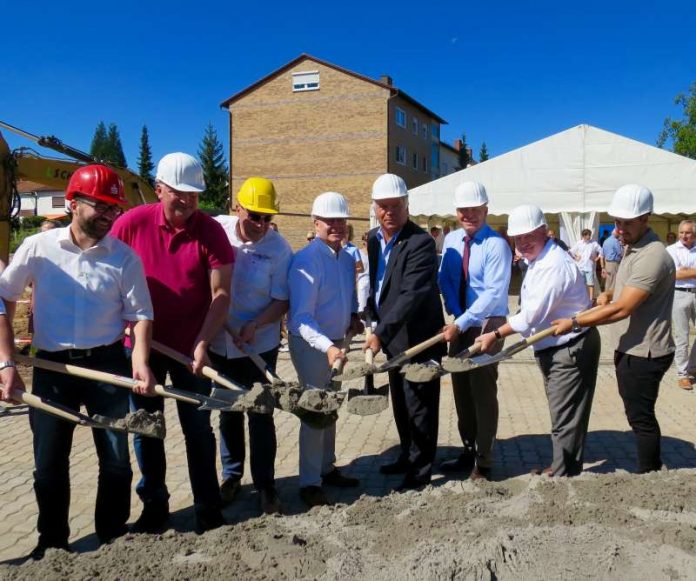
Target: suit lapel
394,255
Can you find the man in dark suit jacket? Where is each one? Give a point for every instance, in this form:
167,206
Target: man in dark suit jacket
405,303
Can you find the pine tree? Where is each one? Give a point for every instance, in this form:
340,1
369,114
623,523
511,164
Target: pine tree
215,171
115,151
145,165
464,158
483,153
99,147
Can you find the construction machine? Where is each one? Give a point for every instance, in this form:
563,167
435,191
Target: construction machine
25,164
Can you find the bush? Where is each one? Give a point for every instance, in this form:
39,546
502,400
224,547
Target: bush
28,222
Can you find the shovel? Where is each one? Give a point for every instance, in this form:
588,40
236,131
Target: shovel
369,400
392,363
154,430
430,370
127,382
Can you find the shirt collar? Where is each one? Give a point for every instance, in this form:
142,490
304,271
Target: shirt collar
646,239
680,244
393,239
480,234
189,225
65,240
544,251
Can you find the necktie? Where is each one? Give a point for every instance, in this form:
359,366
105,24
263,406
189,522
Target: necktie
466,251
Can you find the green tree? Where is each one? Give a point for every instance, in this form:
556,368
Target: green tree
464,157
215,171
115,151
483,153
99,147
145,165
682,132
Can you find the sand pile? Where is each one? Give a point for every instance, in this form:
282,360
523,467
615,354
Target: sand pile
616,526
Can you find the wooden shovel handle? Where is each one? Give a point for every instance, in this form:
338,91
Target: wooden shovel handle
369,354
36,402
337,366
416,349
551,330
255,358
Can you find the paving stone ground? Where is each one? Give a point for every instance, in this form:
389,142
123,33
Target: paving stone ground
363,443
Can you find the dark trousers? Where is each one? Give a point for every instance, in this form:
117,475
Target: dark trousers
53,440
639,382
476,399
570,376
262,434
198,437
416,413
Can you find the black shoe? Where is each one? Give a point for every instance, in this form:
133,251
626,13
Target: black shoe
269,501
229,490
39,551
481,473
313,496
335,478
208,518
412,483
153,519
399,467
465,463
105,537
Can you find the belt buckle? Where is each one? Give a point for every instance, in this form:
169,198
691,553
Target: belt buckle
79,353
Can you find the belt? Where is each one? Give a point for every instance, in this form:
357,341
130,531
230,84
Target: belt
685,290
553,348
73,354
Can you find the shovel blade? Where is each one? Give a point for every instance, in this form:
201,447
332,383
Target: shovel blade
361,404
422,372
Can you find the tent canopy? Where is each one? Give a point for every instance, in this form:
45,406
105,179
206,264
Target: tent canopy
577,170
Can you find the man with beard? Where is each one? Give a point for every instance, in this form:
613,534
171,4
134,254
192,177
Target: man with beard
87,286
188,263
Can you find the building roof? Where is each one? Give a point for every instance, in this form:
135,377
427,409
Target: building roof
26,187
304,56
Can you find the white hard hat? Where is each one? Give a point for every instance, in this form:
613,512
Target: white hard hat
631,201
470,195
182,172
330,205
388,186
525,219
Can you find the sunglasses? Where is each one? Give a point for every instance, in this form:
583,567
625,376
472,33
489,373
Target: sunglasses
258,218
101,207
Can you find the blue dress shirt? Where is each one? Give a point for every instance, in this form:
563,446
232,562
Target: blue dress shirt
382,261
612,249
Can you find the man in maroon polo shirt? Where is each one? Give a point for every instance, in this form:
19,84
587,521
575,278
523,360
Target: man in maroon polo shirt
188,265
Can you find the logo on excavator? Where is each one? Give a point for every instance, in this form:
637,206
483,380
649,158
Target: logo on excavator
57,173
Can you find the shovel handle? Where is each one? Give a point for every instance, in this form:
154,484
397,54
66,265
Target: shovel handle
36,402
369,354
551,330
255,358
416,349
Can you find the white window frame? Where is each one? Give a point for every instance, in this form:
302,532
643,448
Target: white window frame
305,81
400,155
400,114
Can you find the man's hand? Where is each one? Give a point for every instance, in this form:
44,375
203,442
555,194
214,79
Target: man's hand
247,334
487,340
563,326
373,343
200,358
451,332
603,299
334,354
146,380
11,381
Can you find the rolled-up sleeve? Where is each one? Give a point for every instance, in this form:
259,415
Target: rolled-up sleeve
17,275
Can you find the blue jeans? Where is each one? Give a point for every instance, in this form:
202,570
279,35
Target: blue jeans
198,437
262,435
53,440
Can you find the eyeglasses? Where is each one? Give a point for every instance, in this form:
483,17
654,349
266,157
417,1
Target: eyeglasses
258,218
101,207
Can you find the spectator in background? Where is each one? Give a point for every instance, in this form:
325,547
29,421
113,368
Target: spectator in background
552,235
49,225
612,252
586,253
670,239
310,236
363,277
439,239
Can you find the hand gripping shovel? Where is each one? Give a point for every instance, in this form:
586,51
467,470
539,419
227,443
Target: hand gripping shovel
127,383
393,363
369,400
152,426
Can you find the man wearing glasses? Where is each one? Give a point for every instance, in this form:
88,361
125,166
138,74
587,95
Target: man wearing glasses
87,286
260,291
188,263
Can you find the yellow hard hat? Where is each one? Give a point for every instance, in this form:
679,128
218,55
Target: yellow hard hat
258,195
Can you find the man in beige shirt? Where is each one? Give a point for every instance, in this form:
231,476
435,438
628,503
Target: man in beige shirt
641,307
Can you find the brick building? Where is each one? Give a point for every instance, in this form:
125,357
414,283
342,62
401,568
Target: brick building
312,126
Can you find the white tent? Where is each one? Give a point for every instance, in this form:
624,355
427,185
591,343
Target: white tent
574,171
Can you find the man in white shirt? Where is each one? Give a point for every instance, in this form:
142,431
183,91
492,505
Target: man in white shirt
259,301
552,289
587,252
323,308
683,252
88,286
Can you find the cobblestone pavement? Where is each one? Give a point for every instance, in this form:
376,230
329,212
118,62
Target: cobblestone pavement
363,443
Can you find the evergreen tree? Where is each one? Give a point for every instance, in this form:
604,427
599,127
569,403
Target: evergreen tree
99,147
483,153
115,151
145,165
464,158
682,133
215,171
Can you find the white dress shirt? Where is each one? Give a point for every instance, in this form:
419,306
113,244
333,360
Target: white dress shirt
683,258
260,275
322,294
553,288
82,298
587,252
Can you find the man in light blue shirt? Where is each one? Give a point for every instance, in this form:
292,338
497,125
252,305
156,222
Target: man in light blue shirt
474,279
612,252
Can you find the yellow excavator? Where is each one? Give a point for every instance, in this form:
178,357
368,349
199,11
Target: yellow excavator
25,164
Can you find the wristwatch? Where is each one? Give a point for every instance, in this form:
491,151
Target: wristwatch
576,328
6,364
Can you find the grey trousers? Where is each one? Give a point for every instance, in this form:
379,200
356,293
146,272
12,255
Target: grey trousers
683,314
476,398
570,375
612,268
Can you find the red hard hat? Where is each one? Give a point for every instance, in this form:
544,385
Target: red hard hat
98,182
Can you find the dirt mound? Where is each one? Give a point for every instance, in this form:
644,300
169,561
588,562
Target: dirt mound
616,526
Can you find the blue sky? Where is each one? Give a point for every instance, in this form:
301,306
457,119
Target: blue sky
506,73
